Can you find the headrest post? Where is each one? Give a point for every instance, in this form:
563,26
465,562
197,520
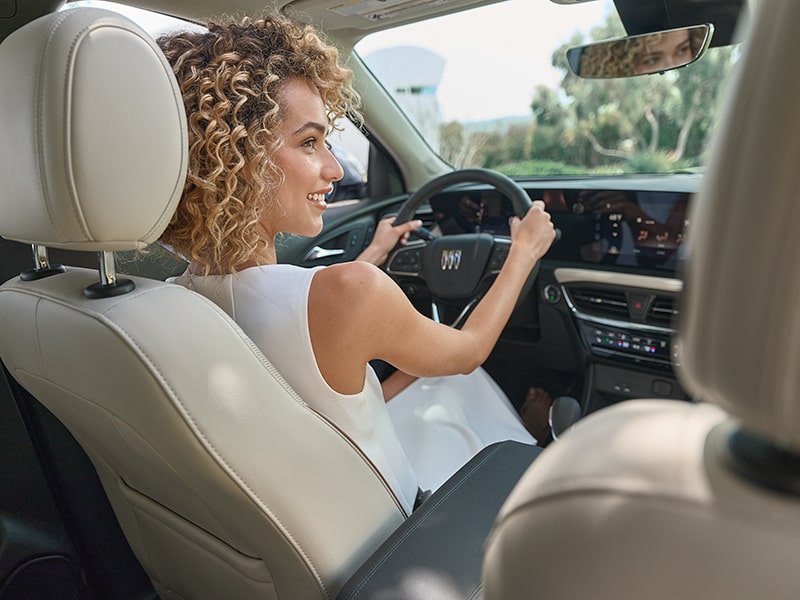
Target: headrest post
108,268
42,267
108,285
40,258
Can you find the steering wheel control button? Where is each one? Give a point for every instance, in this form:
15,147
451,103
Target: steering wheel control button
409,261
498,257
552,293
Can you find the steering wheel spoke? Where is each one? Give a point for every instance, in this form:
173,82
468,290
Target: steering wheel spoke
437,312
455,268
502,246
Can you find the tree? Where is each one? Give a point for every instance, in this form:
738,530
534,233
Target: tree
650,123
457,147
549,134
659,116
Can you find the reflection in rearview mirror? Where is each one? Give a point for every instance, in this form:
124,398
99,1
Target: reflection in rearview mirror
641,54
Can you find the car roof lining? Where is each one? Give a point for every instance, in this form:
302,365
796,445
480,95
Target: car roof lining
637,16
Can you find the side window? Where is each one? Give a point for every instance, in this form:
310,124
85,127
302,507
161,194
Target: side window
351,149
369,171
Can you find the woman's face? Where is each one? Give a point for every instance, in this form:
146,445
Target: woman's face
308,165
673,49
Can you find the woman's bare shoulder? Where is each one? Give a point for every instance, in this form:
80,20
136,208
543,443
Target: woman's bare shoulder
347,308
357,277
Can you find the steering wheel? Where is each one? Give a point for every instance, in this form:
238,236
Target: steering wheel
456,267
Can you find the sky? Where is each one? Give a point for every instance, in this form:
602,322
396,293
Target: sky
512,39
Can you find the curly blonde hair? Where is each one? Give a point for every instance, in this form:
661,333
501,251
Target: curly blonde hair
231,79
616,58
613,59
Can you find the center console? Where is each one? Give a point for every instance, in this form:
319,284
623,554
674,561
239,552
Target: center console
609,284
643,347
628,327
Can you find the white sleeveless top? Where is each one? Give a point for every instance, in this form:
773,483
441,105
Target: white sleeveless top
270,303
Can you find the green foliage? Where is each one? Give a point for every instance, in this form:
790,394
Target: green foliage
539,168
458,147
648,124
550,168
497,148
652,162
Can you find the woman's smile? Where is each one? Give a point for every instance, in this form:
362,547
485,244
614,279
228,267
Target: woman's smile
306,160
318,199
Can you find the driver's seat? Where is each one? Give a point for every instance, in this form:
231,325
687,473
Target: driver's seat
225,483
664,500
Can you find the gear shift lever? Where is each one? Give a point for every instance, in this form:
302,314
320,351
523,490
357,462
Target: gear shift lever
564,412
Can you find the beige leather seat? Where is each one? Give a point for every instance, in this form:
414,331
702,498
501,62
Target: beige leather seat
225,483
662,500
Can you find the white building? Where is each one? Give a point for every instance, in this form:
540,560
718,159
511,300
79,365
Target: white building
414,89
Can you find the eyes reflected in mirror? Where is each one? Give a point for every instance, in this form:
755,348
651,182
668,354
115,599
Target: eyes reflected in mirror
640,54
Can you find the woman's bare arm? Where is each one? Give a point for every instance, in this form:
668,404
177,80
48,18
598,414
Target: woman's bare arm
357,313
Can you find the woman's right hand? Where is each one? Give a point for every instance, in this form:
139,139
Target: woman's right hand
534,233
342,314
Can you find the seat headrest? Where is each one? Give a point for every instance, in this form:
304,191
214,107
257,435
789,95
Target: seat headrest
93,142
740,329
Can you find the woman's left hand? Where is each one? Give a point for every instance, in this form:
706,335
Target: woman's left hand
386,237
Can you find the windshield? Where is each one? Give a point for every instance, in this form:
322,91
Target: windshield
491,88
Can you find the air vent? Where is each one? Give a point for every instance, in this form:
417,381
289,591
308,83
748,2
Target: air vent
600,302
662,312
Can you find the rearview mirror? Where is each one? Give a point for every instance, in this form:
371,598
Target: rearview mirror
640,54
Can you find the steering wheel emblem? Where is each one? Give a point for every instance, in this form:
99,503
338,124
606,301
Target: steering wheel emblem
451,260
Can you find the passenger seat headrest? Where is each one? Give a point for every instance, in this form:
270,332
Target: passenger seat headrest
93,142
740,319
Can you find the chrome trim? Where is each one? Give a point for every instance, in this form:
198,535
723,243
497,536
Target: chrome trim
318,253
437,317
40,258
470,305
613,322
108,268
450,259
662,284
435,312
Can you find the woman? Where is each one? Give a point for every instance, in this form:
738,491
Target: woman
261,96
642,54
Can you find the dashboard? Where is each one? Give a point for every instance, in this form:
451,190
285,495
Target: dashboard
609,287
599,321
623,228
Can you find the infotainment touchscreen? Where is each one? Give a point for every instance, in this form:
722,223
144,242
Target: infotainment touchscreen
637,229
642,229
